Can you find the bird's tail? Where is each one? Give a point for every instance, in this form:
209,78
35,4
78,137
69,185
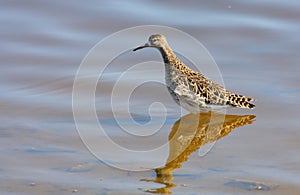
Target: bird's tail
240,101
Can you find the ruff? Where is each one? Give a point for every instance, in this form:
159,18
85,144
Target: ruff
190,89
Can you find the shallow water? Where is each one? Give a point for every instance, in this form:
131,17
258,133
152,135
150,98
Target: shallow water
255,45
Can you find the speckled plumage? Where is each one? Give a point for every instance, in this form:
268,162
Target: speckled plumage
190,89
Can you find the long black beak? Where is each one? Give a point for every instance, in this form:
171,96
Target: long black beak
141,47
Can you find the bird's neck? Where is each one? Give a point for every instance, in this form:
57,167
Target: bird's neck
169,57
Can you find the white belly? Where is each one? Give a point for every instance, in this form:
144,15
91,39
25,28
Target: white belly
192,102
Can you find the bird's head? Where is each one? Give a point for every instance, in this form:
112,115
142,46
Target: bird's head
157,41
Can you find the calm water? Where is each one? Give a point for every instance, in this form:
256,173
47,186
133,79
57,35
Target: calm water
256,46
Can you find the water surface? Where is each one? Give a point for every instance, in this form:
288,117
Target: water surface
254,43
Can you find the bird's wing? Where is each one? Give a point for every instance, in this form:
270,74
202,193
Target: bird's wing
212,92
215,93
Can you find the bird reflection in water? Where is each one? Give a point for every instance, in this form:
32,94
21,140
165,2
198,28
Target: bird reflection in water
188,134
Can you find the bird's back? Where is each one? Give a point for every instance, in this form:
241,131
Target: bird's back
201,91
